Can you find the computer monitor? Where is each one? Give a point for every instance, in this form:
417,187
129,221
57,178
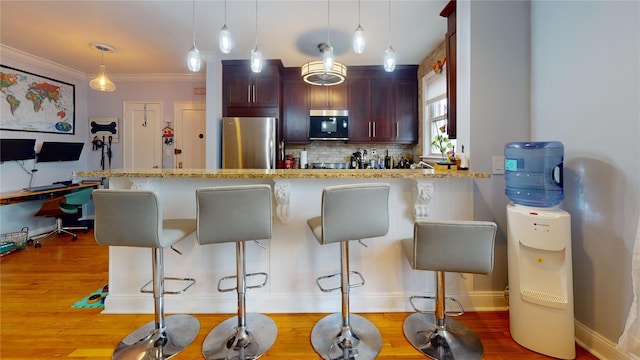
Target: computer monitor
17,149
59,151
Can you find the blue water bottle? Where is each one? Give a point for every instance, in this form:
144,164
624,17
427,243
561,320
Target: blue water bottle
533,173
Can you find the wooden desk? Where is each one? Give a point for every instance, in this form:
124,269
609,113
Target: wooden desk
17,196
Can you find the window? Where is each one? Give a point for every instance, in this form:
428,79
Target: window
434,111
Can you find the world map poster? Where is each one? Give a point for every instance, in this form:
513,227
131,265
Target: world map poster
35,103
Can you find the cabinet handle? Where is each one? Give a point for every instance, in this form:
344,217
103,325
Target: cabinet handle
374,129
369,129
397,129
248,93
254,93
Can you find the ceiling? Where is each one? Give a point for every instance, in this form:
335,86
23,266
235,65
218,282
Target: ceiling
153,37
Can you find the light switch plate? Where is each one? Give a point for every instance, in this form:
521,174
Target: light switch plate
497,165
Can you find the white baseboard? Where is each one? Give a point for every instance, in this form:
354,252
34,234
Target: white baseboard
597,344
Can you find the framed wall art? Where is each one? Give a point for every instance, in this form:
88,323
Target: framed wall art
35,103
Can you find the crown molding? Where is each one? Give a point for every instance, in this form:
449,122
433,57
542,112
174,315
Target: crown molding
30,59
22,56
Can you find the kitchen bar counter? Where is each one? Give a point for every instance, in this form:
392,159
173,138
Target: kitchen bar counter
286,174
292,257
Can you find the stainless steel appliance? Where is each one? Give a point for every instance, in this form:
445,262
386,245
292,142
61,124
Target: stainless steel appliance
249,143
329,125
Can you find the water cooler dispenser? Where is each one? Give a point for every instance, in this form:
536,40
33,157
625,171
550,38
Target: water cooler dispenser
539,250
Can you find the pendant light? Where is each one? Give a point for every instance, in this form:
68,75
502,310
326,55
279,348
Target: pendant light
193,58
390,54
256,54
225,35
327,52
102,82
358,36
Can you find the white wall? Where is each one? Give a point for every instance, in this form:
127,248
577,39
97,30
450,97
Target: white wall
585,93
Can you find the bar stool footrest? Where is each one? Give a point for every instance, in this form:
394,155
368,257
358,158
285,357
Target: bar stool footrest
190,282
351,285
448,313
257,286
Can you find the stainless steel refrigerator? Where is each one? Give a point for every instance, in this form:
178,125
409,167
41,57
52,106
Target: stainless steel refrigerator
249,143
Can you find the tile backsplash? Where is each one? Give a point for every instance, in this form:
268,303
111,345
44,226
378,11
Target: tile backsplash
338,151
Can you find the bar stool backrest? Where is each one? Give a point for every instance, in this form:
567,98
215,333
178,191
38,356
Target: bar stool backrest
354,212
454,246
233,213
128,218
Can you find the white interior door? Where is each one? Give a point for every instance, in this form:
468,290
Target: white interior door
142,130
190,134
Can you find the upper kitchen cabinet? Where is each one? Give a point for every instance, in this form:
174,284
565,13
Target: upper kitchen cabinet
450,42
295,107
328,97
383,107
245,93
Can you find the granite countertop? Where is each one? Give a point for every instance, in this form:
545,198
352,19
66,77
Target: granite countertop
285,174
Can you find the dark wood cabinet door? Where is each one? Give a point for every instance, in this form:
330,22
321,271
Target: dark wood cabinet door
451,69
328,97
295,114
359,96
237,88
406,111
266,87
382,110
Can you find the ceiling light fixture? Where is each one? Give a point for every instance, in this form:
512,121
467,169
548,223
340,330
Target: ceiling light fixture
358,36
314,72
256,54
102,82
225,35
390,54
193,58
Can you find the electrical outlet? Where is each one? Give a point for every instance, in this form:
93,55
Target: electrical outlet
373,151
497,165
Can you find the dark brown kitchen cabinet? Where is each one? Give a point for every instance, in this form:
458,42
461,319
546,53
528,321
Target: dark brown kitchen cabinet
383,107
406,111
245,93
295,108
328,97
359,109
450,43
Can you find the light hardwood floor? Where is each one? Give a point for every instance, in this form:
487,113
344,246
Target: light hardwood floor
39,285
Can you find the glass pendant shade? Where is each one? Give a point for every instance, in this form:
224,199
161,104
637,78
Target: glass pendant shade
389,59
327,58
193,59
225,39
256,60
358,40
102,82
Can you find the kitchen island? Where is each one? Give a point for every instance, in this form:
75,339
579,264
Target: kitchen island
292,257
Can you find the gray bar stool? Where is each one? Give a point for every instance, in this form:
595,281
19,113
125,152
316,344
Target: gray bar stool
447,246
237,214
349,212
134,218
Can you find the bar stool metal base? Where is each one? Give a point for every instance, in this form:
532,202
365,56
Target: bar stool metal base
332,341
227,342
147,343
454,341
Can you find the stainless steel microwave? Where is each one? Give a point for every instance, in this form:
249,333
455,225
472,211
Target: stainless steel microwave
329,125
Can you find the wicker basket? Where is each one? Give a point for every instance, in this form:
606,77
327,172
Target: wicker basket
13,241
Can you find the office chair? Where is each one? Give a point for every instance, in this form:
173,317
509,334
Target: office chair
61,206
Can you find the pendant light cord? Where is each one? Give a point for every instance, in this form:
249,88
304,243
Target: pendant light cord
389,23
193,21
328,32
358,12
225,12
256,23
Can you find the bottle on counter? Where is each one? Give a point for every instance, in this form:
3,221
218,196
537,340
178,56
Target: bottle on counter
387,160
